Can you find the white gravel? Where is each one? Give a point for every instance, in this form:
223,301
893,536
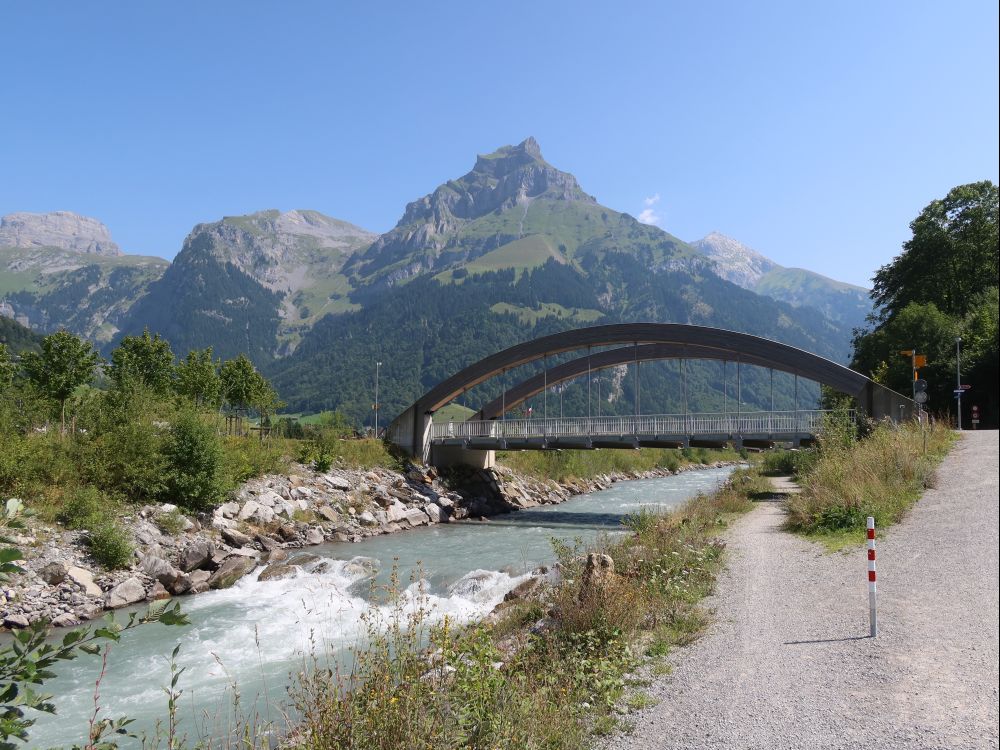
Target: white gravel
787,662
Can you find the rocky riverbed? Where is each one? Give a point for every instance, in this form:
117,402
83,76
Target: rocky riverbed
267,522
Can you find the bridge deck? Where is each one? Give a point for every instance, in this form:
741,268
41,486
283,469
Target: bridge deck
663,430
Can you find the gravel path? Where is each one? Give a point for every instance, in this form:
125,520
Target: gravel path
787,662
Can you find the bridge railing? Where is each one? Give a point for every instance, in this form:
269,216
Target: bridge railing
732,423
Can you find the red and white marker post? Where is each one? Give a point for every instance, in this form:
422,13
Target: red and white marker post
872,596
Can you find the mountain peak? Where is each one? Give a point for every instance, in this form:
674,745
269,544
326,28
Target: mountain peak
506,159
62,229
735,261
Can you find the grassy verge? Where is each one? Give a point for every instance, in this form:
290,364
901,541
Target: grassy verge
551,672
879,475
579,464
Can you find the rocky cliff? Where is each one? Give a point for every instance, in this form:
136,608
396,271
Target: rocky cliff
60,229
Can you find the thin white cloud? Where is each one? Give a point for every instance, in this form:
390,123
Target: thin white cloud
648,215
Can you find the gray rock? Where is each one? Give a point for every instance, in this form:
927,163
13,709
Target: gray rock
278,571
84,579
435,514
159,569
182,584
367,519
65,620
416,517
327,513
127,592
249,510
315,536
337,482
236,538
89,611
53,574
196,554
231,570
15,622
158,591
228,510
199,576
268,543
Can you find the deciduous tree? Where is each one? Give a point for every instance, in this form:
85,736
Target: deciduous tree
144,360
65,363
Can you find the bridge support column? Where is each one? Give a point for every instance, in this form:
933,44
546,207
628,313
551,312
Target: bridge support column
443,456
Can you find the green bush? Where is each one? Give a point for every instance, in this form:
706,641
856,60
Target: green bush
84,508
111,545
795,463
246,458
192,456
125,462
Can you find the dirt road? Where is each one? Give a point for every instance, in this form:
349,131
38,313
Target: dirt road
788,664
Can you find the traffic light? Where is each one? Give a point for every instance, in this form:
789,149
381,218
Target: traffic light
920,391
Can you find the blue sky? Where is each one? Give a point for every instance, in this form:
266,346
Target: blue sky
814,132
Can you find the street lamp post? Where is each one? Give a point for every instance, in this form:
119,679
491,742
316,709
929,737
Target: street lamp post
958,378
377,365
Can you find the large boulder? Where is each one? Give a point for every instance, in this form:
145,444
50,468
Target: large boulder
278,571
230,571
315,536
53,574
127,592
416,517
236,538
15,622
84,579
160,569
196,554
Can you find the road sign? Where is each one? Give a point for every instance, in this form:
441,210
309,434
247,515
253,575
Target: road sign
920,360
965,387
920,397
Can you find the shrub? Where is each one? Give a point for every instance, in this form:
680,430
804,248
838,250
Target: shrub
84,508
111,545
193,458
125,462
879,475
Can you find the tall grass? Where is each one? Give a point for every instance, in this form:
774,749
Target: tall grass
548,674
879,475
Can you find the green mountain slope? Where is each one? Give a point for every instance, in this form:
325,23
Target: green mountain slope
252,283
61,270
513,250
17,338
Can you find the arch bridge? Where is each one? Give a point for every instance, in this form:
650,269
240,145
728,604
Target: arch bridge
474,441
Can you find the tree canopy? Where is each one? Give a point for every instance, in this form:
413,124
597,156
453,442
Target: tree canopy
143,360
951,257
943,286
65,363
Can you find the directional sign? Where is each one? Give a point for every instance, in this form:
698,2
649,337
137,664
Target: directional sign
965,387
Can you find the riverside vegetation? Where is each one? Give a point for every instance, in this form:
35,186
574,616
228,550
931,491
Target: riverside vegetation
551,667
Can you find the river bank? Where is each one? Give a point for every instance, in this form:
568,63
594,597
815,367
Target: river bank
267,522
